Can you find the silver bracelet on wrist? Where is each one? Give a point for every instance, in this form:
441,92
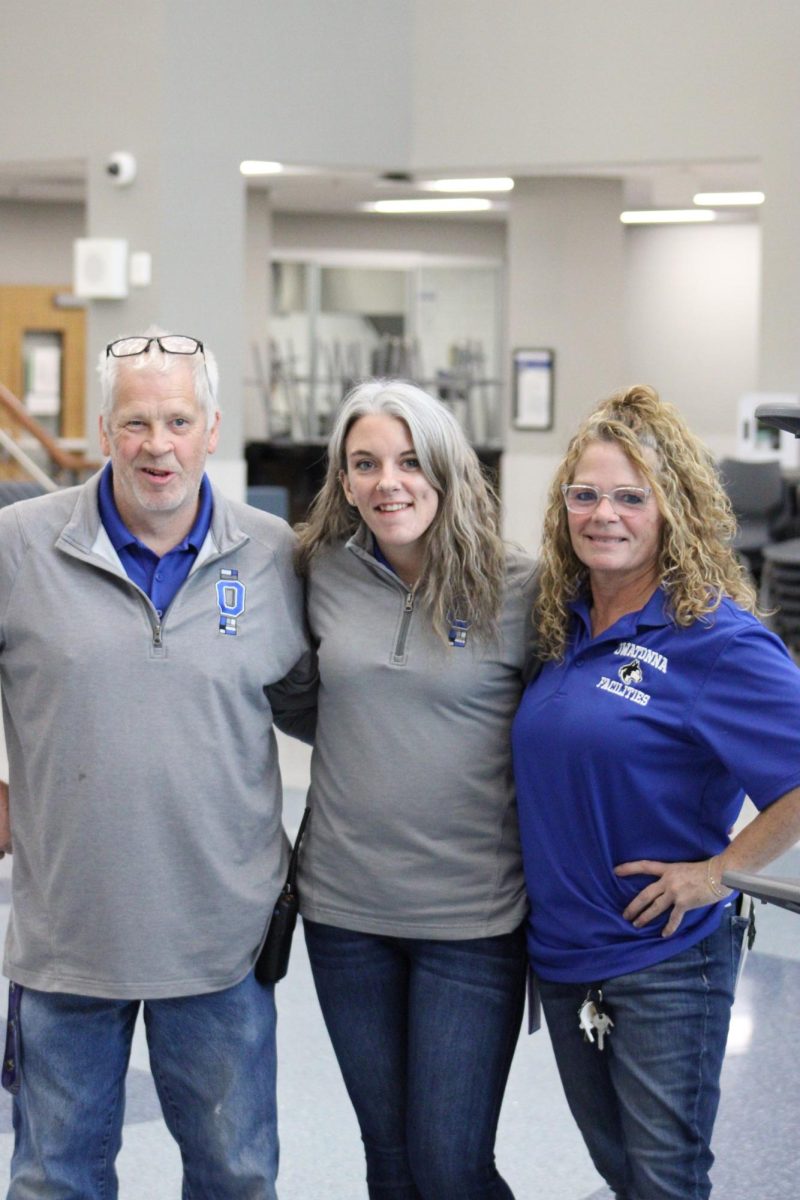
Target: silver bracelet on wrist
714,884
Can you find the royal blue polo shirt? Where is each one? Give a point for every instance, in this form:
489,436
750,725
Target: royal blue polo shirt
159,578
642,744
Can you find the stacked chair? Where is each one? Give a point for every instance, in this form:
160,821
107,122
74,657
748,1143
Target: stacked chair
763,504
780,591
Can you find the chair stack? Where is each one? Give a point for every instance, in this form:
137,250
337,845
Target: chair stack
780,590
761,501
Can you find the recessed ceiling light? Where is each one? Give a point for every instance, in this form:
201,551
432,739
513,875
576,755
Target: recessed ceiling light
458,204
499,184
254,166
667,216
737,199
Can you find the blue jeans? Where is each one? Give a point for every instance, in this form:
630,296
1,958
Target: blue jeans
646,1103
424,1032
213,1063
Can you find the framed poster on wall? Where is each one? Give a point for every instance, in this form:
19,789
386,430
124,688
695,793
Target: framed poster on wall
533,389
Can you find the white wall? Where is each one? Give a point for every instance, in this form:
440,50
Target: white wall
691,320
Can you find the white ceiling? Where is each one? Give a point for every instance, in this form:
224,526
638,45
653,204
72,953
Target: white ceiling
315,190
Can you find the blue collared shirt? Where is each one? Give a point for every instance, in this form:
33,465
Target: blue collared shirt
640,745
161,577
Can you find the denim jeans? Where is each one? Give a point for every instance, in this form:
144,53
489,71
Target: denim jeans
424,1032
213,1063
646,1103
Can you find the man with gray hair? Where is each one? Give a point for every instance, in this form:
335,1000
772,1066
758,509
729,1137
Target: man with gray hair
150,633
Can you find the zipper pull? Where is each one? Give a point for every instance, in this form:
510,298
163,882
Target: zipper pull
409,602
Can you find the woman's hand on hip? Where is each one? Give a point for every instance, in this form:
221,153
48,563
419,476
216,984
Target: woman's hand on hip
677,886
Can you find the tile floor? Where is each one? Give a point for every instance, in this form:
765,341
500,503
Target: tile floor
539,1150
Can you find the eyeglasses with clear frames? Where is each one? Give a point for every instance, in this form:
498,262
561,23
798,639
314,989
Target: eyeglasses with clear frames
170,343
585,497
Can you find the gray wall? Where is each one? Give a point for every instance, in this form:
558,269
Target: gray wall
36,241
299,80
552,84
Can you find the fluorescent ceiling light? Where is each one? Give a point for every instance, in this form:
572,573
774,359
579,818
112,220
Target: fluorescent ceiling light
254,166
737,199
500,184
459,204
667,216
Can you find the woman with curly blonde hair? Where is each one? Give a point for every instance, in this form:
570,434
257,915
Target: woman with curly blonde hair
411,884
661,702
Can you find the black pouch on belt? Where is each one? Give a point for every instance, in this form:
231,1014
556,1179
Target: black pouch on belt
273,961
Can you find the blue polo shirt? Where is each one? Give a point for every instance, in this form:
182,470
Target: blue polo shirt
642,744
159,578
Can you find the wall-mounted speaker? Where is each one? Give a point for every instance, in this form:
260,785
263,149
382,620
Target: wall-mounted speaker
100,268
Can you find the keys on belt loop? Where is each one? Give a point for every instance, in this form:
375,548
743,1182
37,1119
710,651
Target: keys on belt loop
593,1018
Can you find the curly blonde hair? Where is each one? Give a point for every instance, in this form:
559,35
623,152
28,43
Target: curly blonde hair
463,571
696,566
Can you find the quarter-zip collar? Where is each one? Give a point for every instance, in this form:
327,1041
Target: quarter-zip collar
84,534
361,545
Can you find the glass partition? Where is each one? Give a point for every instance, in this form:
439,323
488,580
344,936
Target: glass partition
334,323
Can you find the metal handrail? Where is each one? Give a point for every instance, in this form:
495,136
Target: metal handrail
25,461
74,463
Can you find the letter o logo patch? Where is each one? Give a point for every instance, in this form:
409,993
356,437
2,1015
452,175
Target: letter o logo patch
230,597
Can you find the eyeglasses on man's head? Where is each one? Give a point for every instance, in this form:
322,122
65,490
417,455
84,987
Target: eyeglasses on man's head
585,497
169,343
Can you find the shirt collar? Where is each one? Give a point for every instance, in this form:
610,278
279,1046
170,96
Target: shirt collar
654,614
118,532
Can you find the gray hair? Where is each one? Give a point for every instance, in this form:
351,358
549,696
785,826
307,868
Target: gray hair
204,368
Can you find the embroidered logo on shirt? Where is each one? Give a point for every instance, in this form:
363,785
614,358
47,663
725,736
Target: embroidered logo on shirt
457,634
631,672
230,600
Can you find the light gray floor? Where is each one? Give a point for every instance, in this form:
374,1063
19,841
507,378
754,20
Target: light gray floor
539,1151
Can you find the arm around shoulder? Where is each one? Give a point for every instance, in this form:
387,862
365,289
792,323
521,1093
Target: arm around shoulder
293,699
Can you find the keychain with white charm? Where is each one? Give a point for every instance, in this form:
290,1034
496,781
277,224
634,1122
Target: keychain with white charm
593,1018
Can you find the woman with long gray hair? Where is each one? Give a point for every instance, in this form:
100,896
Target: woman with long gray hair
411,878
